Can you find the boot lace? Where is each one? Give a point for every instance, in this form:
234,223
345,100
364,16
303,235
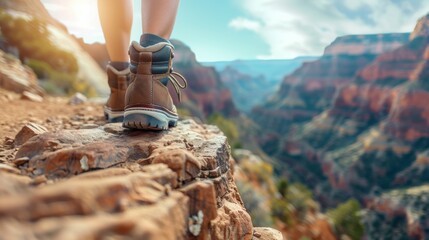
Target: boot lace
174,79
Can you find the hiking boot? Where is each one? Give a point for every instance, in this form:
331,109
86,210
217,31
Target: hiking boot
148,104
118,83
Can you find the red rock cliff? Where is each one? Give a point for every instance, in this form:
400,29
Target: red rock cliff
374,140
310,89
206,94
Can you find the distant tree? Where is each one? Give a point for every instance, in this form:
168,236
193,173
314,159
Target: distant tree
293,203
346,219
227,126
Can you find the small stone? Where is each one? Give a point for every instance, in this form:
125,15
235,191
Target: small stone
31,97
89,109
256,234
8,141
75,123
28,131
114,128
34,120
37,172
21,161
78,98
9,169
267,233
39,180
9,97
89,126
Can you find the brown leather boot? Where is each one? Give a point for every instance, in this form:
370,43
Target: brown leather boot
148,104
118,83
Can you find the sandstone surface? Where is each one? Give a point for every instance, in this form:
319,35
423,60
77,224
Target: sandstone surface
110,182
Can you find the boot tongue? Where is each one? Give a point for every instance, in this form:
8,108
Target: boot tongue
164,81
149,39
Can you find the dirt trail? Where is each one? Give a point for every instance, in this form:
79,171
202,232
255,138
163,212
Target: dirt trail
54,113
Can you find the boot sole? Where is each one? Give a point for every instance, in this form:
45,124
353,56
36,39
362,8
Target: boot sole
148,119
113,116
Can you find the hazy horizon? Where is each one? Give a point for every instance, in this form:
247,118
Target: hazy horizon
243,29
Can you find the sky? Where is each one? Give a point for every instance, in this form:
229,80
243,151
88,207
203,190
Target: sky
219,30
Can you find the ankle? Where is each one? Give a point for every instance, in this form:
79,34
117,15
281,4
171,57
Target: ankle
120,66
149,39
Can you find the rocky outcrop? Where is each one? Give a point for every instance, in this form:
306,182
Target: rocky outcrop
16,77
32,7
117,183
421,29
206,94
366,44
88,69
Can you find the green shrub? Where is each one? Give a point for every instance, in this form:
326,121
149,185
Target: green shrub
183,112
227,126
282,187
346,219
280,209
32,39
59,83
294,202
255,203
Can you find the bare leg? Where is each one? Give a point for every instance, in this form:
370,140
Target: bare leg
116,18
158,16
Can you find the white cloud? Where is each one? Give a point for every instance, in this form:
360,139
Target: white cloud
244,23
304,27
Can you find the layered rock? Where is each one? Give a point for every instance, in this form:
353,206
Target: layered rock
110,182
366,44
310,89
88,69
379,122
404,210
371,141
206,94
247,91
303,95
16,77
421,29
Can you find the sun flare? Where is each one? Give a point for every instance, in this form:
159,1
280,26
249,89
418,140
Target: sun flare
80,17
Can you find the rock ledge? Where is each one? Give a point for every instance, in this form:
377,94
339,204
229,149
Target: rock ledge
110,182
